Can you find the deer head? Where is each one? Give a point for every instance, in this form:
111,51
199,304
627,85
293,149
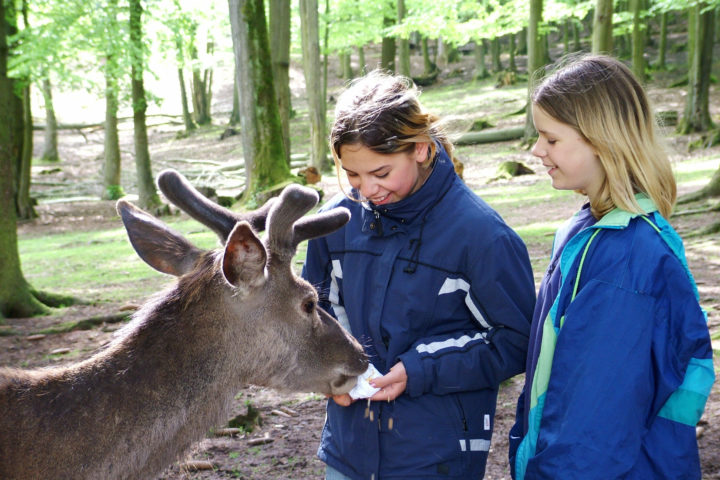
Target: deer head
277,312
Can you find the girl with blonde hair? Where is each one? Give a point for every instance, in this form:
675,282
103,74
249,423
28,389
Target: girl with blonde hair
620,361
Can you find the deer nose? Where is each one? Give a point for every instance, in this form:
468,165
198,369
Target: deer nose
343,384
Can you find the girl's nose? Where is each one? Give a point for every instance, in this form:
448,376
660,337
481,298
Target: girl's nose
368,188
537,150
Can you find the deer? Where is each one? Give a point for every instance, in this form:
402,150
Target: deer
236,315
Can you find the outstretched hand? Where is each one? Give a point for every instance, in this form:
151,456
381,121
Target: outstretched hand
391,385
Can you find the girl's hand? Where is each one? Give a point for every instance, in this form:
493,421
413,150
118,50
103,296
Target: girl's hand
343,400
392,385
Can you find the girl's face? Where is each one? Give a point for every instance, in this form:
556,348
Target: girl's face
571,161
383,178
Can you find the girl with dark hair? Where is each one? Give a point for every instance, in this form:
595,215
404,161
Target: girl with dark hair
432,282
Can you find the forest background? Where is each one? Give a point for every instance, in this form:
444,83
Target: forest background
97,97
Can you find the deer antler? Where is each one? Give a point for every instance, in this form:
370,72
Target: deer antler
220,220
286,229
282,216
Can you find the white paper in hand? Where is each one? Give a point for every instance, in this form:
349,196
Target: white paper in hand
363,389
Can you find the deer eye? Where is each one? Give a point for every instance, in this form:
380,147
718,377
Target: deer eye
309,306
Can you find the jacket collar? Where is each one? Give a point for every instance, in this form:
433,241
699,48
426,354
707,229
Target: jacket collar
620,218
381,219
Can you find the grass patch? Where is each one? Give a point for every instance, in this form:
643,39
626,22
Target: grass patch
98,265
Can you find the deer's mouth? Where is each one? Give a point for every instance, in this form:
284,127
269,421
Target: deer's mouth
342,384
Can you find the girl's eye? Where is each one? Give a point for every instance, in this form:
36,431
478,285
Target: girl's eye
552,142
382,175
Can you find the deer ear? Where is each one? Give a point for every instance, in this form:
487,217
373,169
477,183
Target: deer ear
159,246
244,258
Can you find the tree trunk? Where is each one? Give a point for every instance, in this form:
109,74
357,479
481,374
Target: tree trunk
662,47
697,115
602,40
265,163
199,87
638,39
180,59
497,65
187,116
535,59
480,68
403,43
280,51
511,62
522,42
25,209
309,31
428,66
148,197
576,26
50,150
387,50
16,299
112,190
362,68
235,114
345,66
326,49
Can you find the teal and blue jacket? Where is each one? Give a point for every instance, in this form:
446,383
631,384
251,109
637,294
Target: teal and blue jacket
441,283
620,360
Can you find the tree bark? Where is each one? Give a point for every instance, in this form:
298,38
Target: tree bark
265,163
638,39
180,59
387,49
148,197
535,59
50,149
490,136
280,51
511,61
602,40
403,43
697,114
662,47
497,65
25,208
480,68
235,114
311,68
428,65
362,67
112,190
16,299
199,87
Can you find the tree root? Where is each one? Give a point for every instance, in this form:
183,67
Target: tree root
87,323
56,300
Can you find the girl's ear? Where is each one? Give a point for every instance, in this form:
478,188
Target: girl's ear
421,151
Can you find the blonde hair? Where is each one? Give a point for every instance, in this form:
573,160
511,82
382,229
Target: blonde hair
602,100
382,112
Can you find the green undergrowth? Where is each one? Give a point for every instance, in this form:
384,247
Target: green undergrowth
100,265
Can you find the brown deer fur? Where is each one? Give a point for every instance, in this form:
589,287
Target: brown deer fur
233,317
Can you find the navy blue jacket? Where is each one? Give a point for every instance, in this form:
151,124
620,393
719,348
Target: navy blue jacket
441,283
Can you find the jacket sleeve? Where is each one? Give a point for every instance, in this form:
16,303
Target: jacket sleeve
500,301
619,357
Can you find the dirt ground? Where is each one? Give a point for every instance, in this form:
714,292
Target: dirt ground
284,443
